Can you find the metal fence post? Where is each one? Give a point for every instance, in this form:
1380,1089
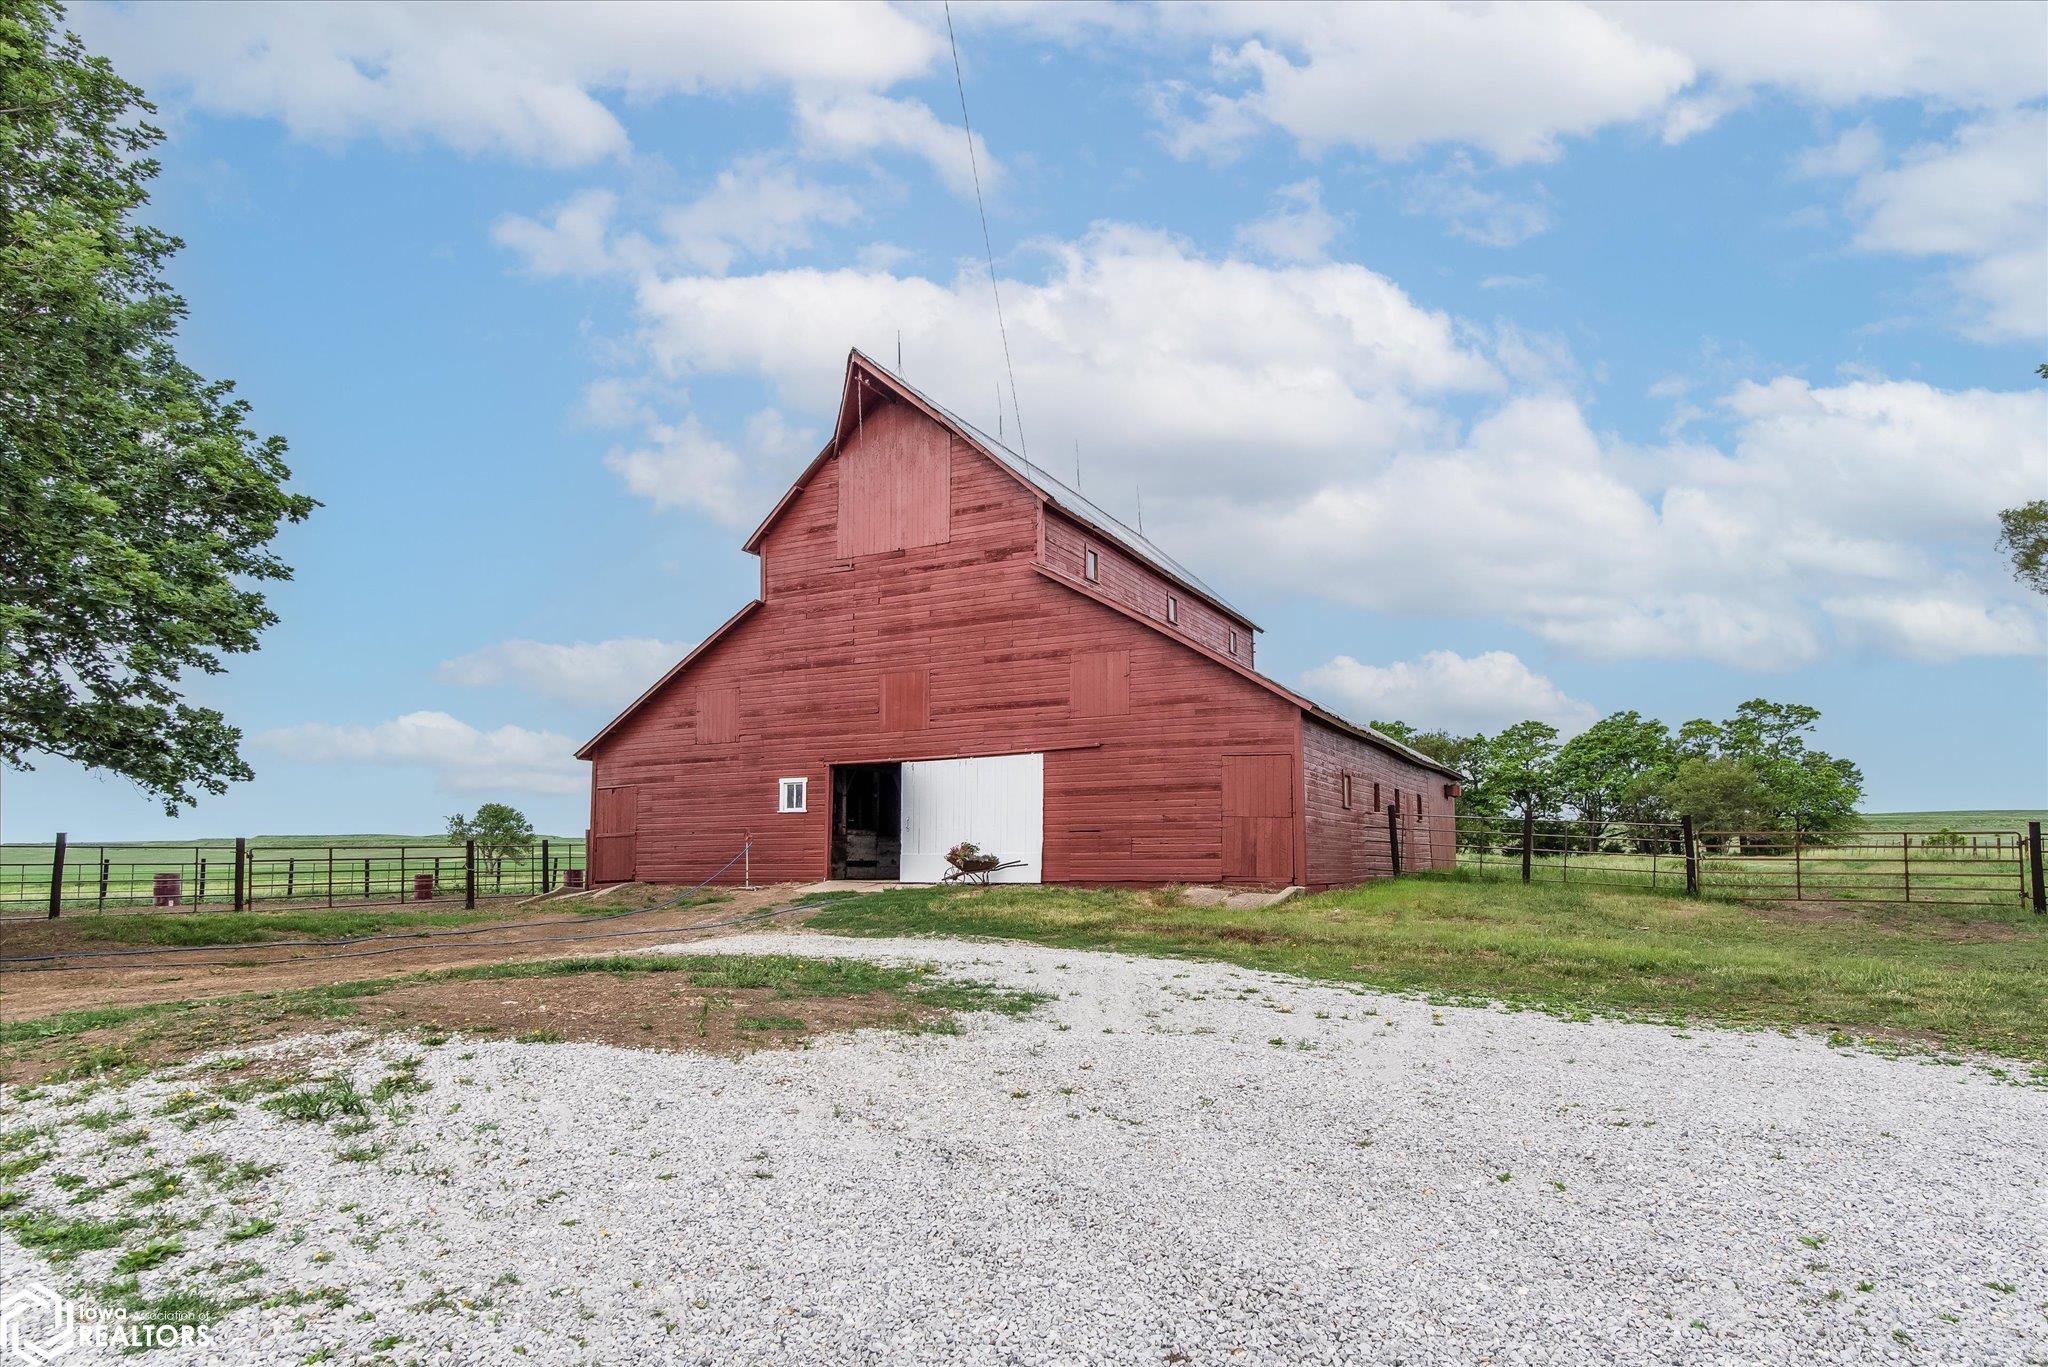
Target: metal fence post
2034,866
1528,839
57,876
1692,857
1394,836
1906,862
241,871
547,883
469,875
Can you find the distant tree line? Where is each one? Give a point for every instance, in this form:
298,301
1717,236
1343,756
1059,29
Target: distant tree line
1752,772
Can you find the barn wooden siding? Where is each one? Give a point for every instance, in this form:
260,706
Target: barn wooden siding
828,671
1128,580
1350,846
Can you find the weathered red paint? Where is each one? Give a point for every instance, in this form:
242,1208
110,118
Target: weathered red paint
921,601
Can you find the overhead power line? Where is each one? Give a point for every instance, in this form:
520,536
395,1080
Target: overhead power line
987,245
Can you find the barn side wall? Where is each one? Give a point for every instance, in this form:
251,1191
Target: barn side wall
1350,846
1131,795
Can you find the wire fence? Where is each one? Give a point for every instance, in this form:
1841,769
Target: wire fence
80,876
1931,868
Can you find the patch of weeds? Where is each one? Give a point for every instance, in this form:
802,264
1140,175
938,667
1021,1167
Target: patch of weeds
101,1120
360,1153
540,1037
210,1114
68,1181
249,1229
150,1253
60,1239
21,1164
320,1102
401,1081
157,1188
770,1023
10,1198
349,1129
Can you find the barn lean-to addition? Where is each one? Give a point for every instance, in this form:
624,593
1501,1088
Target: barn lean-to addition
951,645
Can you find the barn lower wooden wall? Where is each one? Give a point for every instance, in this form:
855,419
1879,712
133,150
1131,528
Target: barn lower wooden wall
1350,844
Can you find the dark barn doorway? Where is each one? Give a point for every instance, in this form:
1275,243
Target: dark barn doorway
867,821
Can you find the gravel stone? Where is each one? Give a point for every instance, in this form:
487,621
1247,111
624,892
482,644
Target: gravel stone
1170,1162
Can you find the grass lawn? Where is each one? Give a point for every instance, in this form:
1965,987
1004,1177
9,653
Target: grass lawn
1964,979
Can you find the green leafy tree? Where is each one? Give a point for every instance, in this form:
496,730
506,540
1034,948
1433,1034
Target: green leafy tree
498,830
137,504
1519,773
1801,788
1720,794
2023,534
1610,767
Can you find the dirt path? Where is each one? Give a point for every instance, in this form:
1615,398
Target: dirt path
198,974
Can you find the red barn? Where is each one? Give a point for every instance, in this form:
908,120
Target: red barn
952,645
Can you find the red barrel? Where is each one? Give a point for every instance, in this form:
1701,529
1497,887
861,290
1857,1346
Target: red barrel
168,888
423,887
572,879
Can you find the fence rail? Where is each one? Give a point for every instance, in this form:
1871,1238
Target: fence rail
1930,868
67,875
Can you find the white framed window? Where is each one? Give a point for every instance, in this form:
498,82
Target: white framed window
795,795
1173,609
1090,568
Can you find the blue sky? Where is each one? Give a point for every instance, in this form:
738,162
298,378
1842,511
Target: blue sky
1500,362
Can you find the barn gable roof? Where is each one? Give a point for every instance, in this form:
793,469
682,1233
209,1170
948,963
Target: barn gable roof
864,375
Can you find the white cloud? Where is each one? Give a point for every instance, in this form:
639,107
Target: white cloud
1515,81
1828,496
1444,689
1975,55
1981,198
1299,228
575,241
462,758
1302,426
1853,152
1937,626
754,208
857,124
519,80
1512,80
1487,217
605,673
1168,364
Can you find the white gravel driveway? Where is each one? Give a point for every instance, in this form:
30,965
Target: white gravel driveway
1172,1162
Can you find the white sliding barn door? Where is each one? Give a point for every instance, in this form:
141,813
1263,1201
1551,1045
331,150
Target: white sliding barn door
997,802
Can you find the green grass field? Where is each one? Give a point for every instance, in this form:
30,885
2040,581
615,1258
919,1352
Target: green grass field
1914,977
2009,819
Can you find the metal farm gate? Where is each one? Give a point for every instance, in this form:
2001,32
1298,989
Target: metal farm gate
1936,868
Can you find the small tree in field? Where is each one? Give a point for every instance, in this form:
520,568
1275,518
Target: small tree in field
498,830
